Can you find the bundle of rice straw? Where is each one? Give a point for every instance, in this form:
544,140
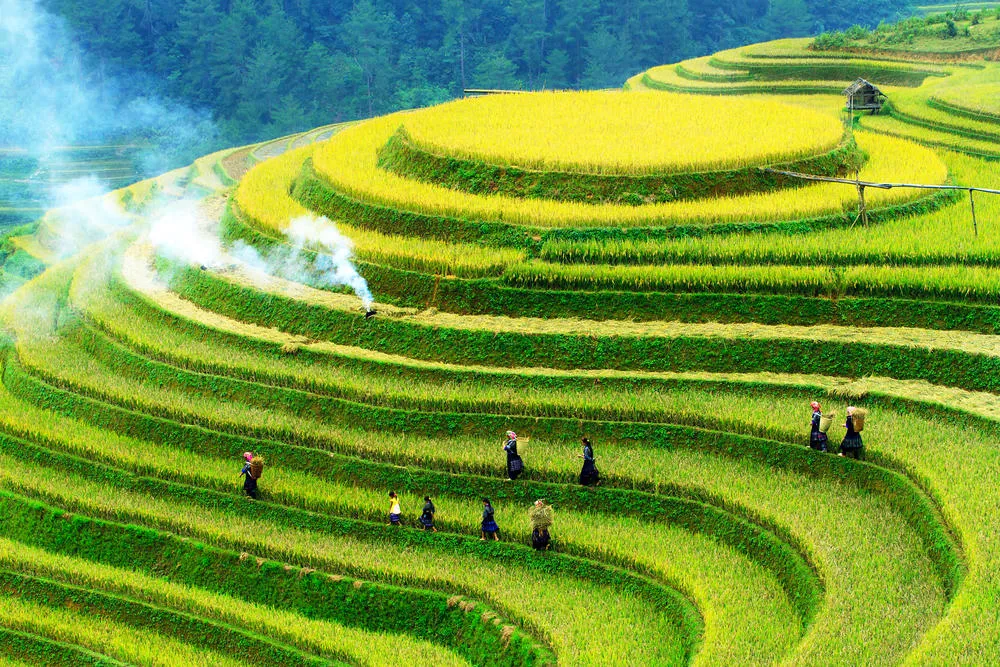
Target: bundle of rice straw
541,516
859,419
257,467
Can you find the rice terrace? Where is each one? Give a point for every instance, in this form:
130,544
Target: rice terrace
627,305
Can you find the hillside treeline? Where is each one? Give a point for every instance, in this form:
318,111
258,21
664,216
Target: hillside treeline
265,67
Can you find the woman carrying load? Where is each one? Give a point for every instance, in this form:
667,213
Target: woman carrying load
541,521
588,474
427,518
514,463
489,525
852,445
252,468
817,438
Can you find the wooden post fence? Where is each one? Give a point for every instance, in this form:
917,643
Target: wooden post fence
861,185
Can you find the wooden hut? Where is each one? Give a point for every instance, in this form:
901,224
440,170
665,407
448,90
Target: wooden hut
864,96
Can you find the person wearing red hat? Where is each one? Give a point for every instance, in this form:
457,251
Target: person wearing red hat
817,438
249,482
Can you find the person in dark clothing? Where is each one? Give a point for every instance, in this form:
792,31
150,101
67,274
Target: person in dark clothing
249,482
489,525
541,520
427,517
852,445
588,474
817,438
514,463
540,539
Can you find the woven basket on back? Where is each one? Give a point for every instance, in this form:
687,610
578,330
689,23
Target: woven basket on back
256,467
859,419
825,421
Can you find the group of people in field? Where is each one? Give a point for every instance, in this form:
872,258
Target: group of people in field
851,446
540,514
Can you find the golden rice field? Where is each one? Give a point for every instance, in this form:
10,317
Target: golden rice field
615,133
686,339
350,163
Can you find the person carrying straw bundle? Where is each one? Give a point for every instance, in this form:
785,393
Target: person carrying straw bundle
852,445
541,520
253,468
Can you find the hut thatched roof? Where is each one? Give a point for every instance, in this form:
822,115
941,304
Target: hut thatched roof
860,85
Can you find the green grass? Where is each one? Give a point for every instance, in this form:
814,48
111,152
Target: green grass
134,391
556,599
321,637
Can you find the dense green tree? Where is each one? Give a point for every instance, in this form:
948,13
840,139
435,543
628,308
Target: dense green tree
266,66
495,70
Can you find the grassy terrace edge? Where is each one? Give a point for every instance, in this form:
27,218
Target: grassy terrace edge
411,418
684,614
313,594
205,634
314,192
694,511
948,367
406,157
486,296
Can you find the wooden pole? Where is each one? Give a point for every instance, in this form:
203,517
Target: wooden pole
972,204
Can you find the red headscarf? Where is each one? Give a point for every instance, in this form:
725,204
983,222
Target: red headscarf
815,406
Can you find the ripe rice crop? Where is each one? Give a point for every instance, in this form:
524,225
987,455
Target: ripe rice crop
615,133
564,606
940,237
349,162
738,626
949,282
263,197
106,637
323,637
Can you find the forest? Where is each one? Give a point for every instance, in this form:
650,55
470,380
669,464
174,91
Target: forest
268,67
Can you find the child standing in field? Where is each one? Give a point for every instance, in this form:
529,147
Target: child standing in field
514,463
394,510
427,517
817,438
852,445
250,474
489,525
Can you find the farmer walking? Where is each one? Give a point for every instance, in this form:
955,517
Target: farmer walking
489,525
541,520
514,463
253,468
817,436
588,474
427,517
852,445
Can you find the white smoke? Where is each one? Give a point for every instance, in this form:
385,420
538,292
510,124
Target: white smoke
333,263
178,232
317,253
50,99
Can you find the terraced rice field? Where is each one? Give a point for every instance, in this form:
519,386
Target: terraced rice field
682,326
